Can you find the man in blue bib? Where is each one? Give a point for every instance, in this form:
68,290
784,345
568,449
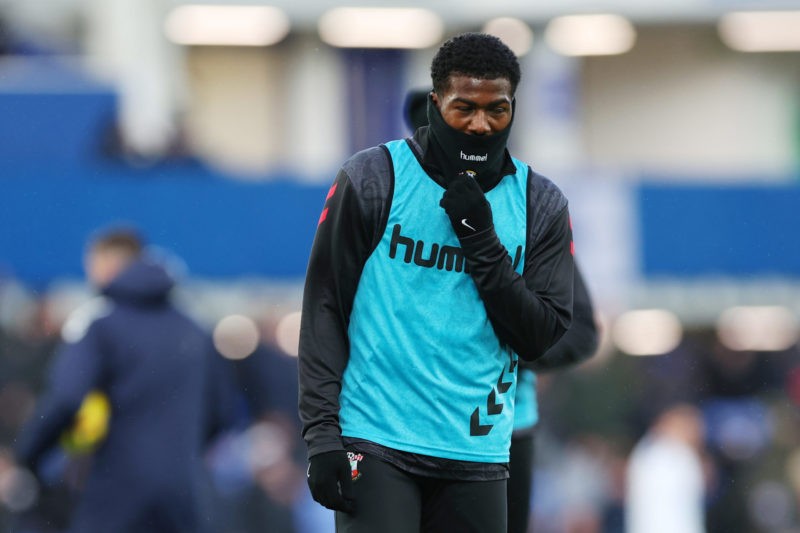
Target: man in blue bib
576,345
439,260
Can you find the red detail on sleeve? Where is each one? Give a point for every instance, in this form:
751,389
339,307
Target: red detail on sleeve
331,192
571,246
324,213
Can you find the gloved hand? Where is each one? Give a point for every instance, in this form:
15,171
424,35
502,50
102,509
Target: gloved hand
330,482
467,207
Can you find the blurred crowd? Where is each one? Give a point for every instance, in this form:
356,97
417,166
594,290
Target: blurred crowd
626,435
619,437
256,466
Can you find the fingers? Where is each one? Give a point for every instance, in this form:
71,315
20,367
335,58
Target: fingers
464,182
335,490
461,188
332,498
346,489
327,494
457,188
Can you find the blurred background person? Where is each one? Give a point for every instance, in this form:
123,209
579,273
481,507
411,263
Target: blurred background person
152,364
666,489
578,344
259,464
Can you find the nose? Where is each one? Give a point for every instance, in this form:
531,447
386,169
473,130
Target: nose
479,124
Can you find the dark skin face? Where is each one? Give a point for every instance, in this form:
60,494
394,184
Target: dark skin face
475,106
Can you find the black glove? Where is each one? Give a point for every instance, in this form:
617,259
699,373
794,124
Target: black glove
330,482
467,207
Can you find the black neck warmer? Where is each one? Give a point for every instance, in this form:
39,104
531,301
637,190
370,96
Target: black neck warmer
459,152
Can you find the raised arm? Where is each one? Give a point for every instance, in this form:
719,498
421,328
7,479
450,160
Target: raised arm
529,312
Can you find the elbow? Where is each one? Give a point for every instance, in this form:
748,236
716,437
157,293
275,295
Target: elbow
589,340
592,343
538,346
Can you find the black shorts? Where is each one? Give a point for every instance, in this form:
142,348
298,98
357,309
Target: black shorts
389,500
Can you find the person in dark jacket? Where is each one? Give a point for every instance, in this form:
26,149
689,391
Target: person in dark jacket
153,363
439,261
578,344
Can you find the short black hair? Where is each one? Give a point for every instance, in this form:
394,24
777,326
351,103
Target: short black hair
480,55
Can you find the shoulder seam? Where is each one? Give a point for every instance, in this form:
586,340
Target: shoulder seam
371,173
545,203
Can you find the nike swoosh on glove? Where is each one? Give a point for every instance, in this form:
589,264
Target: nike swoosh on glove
330,481
466,206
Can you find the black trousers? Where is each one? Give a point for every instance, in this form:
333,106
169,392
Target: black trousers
520,483
389,500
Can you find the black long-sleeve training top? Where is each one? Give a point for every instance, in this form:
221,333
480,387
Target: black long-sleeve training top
528,312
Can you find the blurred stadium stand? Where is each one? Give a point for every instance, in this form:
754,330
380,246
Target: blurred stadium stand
698,230
221,228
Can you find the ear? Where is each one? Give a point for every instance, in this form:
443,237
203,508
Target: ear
435,98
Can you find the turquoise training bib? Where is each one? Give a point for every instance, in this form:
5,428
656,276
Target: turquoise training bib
426,372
